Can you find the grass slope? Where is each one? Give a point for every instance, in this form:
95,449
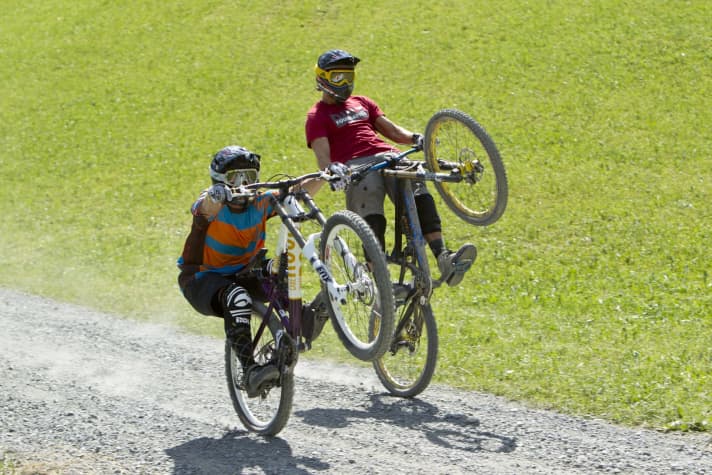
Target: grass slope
592,295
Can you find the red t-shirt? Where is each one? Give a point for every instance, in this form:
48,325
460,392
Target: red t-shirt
349,126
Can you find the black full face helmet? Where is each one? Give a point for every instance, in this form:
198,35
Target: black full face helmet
335,73
236,166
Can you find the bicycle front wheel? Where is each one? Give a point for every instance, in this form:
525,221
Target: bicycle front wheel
268,412
455,143
354,257
406,369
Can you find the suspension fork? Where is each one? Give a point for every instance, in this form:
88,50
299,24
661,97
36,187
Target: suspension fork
289,247
339,244
294,245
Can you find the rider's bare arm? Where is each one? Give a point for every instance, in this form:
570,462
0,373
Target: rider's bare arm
393,132
322,151
206,207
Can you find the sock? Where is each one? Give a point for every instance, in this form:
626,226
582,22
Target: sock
437,246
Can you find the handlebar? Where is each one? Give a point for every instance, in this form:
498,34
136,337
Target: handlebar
386,161
390,160
398,166
357,173
287,183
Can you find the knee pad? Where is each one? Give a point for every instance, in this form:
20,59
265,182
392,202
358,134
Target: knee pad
427,213
237,305
377,222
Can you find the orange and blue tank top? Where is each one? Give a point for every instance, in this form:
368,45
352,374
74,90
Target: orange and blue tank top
232,239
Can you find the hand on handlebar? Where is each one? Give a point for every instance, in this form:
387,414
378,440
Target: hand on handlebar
341,174
417,141
220,193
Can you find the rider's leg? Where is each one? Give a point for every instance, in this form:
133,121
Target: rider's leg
452,265
429,219
366,199
377,222
215,295
203,293
237,309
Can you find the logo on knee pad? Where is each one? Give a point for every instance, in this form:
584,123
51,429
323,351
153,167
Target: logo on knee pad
238,304
240,320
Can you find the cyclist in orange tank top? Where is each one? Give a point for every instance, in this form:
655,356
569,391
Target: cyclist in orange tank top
228,230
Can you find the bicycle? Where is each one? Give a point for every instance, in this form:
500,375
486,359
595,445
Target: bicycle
353,275
464,163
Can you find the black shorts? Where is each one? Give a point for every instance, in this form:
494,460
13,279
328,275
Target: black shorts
203,293
367,196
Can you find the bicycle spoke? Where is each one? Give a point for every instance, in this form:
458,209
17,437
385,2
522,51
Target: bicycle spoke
354,258
456,144
409,364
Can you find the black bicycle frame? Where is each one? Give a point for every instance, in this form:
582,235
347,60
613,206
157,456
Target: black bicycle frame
405,207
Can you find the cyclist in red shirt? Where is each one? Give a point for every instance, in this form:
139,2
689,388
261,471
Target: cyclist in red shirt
343,130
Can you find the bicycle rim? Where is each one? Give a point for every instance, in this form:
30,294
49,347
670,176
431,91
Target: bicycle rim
363,267
453,138
407,368
266,414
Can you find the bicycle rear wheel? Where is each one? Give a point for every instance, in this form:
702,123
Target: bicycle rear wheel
454,142
354,257
407,368
266,414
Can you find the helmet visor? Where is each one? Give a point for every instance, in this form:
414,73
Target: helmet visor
337,77
245,176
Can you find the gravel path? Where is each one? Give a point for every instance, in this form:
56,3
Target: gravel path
85,392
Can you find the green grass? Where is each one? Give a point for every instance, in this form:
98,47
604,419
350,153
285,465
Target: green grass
7,464
592,295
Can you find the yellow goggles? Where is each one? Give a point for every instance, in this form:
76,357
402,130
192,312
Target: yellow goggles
337,77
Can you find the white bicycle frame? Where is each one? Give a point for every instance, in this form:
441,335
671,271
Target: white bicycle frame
289,244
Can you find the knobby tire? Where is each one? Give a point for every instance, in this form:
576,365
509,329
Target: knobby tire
268,413
454,137
407,368
354,320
